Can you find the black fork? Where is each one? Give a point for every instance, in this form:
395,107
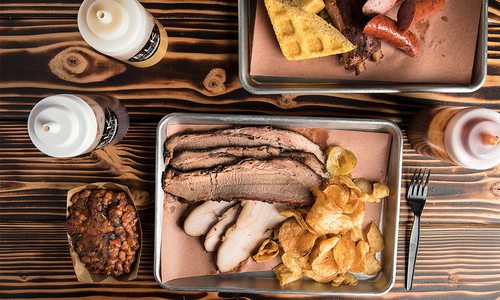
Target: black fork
416,196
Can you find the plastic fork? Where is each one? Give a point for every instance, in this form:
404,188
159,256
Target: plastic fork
416,196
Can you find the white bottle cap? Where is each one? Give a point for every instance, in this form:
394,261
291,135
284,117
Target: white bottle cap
464,138
62,126
118,28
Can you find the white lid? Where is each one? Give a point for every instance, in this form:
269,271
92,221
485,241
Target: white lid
119,28
62,126
464,138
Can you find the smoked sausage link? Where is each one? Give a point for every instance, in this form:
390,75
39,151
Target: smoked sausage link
385,28
413,10
375,7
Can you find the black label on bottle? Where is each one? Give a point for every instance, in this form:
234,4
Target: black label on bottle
151,46
110,128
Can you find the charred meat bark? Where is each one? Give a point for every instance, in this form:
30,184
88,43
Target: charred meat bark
190,160
348,18
243,137
277,180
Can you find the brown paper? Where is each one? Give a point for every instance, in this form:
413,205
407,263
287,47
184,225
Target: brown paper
184,256
447,49
82,274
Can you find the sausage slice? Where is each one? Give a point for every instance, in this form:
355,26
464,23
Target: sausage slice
413,10
386,29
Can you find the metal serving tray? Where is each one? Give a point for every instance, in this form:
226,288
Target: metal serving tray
281,85
265,282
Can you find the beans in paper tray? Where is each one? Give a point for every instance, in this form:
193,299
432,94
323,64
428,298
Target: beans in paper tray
103,227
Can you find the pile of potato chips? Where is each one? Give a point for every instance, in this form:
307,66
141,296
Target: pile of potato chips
326,242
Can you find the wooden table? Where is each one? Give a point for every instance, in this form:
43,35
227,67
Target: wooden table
460,240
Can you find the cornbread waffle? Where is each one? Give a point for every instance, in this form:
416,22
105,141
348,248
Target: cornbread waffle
304,35
310,6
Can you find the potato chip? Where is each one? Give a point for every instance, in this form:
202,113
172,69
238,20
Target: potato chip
318,195
364,186
358,214
276,233
356,234
338,279
290,261
325,216
321,257
347,181
326,242
298,217
323,244
294,239
285,275
304,262
325,265
375,238
324,222
328,201
380,191
363,246
294,262
350,280
372,265
340,161
352,204
267,251
334,180
333,193
302,210
365,261
318,278
359,265
344,253
347,279
370,192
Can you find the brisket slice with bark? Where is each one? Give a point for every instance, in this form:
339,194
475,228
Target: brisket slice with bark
347,16
190,160
280,180
243,137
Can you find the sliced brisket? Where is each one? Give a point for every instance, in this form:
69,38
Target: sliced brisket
190,160
277,180
242,137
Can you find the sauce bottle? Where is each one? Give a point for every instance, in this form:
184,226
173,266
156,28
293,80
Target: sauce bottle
123,29
71,125
469,137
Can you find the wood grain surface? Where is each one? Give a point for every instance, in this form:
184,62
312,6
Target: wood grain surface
42,53
468,265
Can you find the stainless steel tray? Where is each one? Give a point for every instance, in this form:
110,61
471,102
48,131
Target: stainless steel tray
281,85
265,282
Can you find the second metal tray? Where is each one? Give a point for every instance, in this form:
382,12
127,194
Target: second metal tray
281,85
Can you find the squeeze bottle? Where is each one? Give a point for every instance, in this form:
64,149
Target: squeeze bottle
465,136
123,29
71,125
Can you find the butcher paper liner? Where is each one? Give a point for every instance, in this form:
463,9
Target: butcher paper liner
184,256
447,50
